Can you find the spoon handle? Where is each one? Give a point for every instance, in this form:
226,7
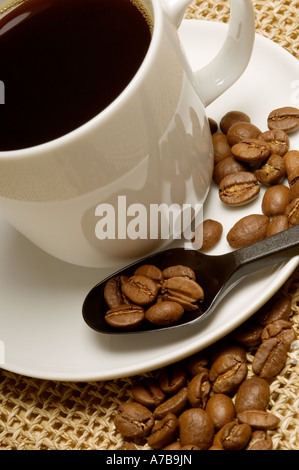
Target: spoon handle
271,250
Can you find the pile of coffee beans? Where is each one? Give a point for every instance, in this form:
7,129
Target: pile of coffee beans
214,400
158,296
246,158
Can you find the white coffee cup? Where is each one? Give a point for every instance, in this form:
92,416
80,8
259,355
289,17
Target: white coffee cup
152,145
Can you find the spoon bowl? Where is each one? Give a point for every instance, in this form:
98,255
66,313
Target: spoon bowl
217,275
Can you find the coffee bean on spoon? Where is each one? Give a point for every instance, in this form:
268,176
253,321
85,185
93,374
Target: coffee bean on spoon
112,292
164,313
141,290
159,297
185,291
179,270
151,271
125,317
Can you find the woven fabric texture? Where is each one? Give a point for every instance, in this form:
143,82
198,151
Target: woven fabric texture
44,415
277,20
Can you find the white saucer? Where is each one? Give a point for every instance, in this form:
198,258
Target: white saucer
42,329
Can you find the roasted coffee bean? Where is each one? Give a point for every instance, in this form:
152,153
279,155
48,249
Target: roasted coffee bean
251,151
249,333
231,118
175,404
241,131
258,419
226,167
239,188
196,428
270,358
148,392
278,224
164,313
190,447
113,293
228,367
275,200
213,125
227,347
172,378
133,420
179,270
292,169
248,230
221,409
197,363
207,235
260,440
294,186
292,212
128,446
177,446
182,290
253,393
285,119
278,140
199,390
141,290
125,316
164,432
150,271
166,294
174,446
221,147
233,436
280,329
272,172
227,372
279,307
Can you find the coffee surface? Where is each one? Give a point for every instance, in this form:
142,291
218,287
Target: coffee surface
63,62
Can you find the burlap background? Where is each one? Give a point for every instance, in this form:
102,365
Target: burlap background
40,414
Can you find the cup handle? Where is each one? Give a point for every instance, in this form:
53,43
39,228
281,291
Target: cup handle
232,59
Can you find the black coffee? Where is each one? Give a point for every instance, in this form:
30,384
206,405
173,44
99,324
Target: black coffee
64,61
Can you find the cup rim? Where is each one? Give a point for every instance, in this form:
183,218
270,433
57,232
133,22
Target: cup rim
106,113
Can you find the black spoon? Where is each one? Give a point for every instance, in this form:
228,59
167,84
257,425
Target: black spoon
216,274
